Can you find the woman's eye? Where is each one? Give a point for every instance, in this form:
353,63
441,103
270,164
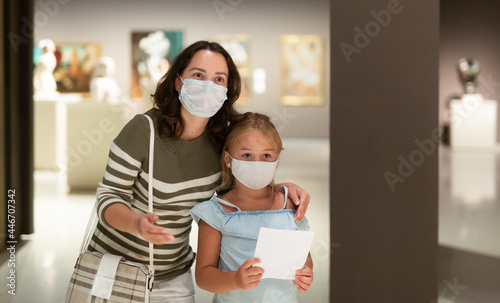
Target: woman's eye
220,80
198,75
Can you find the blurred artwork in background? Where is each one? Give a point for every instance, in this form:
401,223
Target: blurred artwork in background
302,70
152,53
44,84
103,87
238,46
75,64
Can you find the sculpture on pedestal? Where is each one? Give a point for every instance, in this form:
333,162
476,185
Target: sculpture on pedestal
44,83
468,70
103,86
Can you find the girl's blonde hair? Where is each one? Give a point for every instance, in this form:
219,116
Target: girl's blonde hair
245,122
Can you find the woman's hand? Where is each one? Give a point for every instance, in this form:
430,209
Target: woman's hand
247,276
299,197
303,278
152,233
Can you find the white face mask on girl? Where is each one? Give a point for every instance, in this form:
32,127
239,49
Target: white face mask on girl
253,174
202,98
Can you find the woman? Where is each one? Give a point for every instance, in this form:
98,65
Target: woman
192,115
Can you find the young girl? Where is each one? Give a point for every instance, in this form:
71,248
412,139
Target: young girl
229,224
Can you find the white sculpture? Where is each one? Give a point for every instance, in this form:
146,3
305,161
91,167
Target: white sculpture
43,79
103,87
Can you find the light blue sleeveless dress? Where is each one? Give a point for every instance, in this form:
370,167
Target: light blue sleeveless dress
239,233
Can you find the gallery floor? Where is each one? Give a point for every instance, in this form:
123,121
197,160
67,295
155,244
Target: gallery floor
469,258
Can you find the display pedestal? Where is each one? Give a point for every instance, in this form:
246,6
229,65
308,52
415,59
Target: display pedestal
473,141
473,123
50,130
91,127
73,135
473,176
48,141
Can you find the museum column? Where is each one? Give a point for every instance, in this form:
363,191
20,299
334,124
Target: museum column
384,150
17,118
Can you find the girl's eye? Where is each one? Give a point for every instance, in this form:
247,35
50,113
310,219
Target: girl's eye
246,156
266,156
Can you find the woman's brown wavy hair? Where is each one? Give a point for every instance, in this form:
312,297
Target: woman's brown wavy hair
166,97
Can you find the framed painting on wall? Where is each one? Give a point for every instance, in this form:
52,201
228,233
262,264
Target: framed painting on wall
75,64
152,52
238,46
302,59
246,86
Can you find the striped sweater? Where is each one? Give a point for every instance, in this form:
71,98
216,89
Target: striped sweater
185,174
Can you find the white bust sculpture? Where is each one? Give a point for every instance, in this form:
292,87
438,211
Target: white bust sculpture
43,78
103,87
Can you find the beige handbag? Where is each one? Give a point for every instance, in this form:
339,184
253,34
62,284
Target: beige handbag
109,278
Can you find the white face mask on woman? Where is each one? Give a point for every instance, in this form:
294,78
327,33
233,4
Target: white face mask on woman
253,174
202,98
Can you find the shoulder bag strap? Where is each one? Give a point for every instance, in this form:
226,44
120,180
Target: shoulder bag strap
150,183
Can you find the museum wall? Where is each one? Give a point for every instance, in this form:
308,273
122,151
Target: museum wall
112,22
469,29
